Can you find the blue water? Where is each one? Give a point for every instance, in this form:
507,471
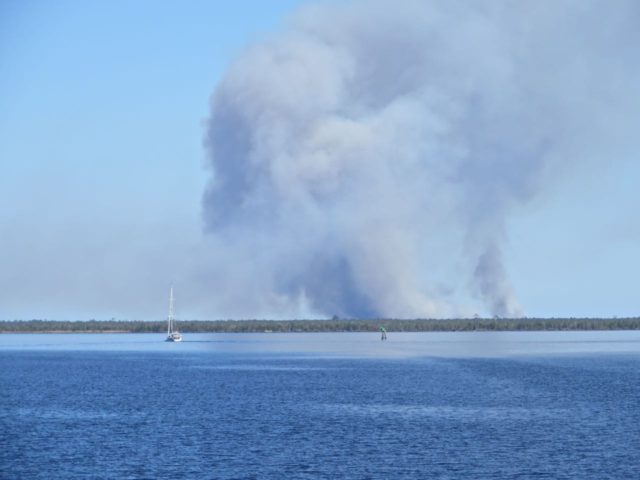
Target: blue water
559,405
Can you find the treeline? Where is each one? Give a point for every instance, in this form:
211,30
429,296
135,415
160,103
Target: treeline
334,325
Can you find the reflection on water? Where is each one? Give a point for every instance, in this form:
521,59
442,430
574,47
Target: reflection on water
343,345
253,368
462,414
64,414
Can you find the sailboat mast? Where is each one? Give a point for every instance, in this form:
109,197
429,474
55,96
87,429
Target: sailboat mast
169,326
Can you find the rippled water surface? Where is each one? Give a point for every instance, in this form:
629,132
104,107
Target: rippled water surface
457,405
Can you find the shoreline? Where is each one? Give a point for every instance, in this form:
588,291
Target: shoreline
333,325
55,332
188,332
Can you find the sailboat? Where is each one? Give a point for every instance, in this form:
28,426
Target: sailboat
173,335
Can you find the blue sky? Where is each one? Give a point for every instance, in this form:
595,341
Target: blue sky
102,169
102,116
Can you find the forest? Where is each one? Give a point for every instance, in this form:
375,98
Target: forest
332,325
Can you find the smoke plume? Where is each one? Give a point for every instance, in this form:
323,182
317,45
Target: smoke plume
365,160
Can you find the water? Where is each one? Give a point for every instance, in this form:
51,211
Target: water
434,405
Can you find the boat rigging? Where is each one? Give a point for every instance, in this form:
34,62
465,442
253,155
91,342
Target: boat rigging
173,335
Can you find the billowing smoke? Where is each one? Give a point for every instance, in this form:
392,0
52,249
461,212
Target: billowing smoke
366,159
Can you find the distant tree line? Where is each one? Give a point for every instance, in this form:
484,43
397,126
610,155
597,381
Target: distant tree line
333,325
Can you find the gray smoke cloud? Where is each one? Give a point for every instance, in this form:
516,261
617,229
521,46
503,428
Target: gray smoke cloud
365,160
